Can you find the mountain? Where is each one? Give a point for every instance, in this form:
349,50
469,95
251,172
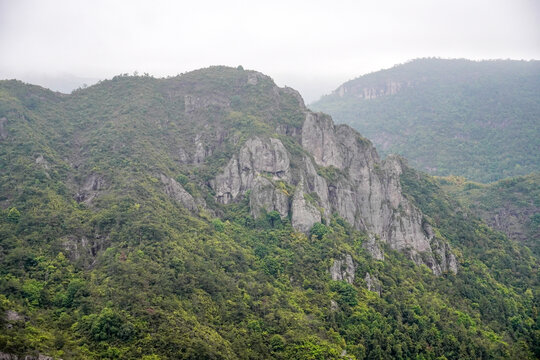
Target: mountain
477,119
212,215
511,205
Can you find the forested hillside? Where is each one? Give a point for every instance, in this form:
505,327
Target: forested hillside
203,217
477,119
511,205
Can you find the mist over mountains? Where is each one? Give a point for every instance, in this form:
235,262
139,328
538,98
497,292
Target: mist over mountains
478,119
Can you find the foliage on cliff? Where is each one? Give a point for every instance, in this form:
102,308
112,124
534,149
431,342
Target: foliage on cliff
99,262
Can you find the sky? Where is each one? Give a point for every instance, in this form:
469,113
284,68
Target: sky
312,46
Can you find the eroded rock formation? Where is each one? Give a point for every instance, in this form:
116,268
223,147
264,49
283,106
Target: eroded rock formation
341,173
343,269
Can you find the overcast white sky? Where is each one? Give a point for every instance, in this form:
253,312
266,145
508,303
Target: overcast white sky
312,46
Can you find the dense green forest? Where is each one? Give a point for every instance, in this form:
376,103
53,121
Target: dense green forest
477,119
99,262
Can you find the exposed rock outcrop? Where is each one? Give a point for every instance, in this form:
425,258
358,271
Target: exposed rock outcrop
256,157
91,188
304,214
178,193
373,283
6,356
266,197
12,315
367,192
387,88
84,249
3,129
318,185
253,78
372,247
40,160
343,269
357,185
446,260
201,152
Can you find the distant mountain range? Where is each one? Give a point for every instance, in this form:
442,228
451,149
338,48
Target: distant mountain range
478,119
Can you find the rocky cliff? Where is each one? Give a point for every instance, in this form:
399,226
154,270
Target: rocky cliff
382,89
340,172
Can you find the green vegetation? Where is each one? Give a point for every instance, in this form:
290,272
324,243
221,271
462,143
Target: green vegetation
510,205
99,263
449,117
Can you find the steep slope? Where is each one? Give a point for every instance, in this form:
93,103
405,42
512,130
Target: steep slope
510,205
212,215
448,117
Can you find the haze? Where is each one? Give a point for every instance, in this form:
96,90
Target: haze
312,46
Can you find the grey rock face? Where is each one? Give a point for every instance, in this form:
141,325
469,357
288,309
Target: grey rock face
373,284
200,152
91,188
3,129
45,357
446,260
368,192
94,183
319,139
263,156
390,87
304,214
265,196
256,157
228,184
359,187
178,193
253,78
317,184
84,249
196,152
5,356
289,130
183,156
343,270
40,160
373,248
14,316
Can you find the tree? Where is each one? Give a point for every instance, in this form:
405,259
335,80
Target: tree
319,230
13,215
